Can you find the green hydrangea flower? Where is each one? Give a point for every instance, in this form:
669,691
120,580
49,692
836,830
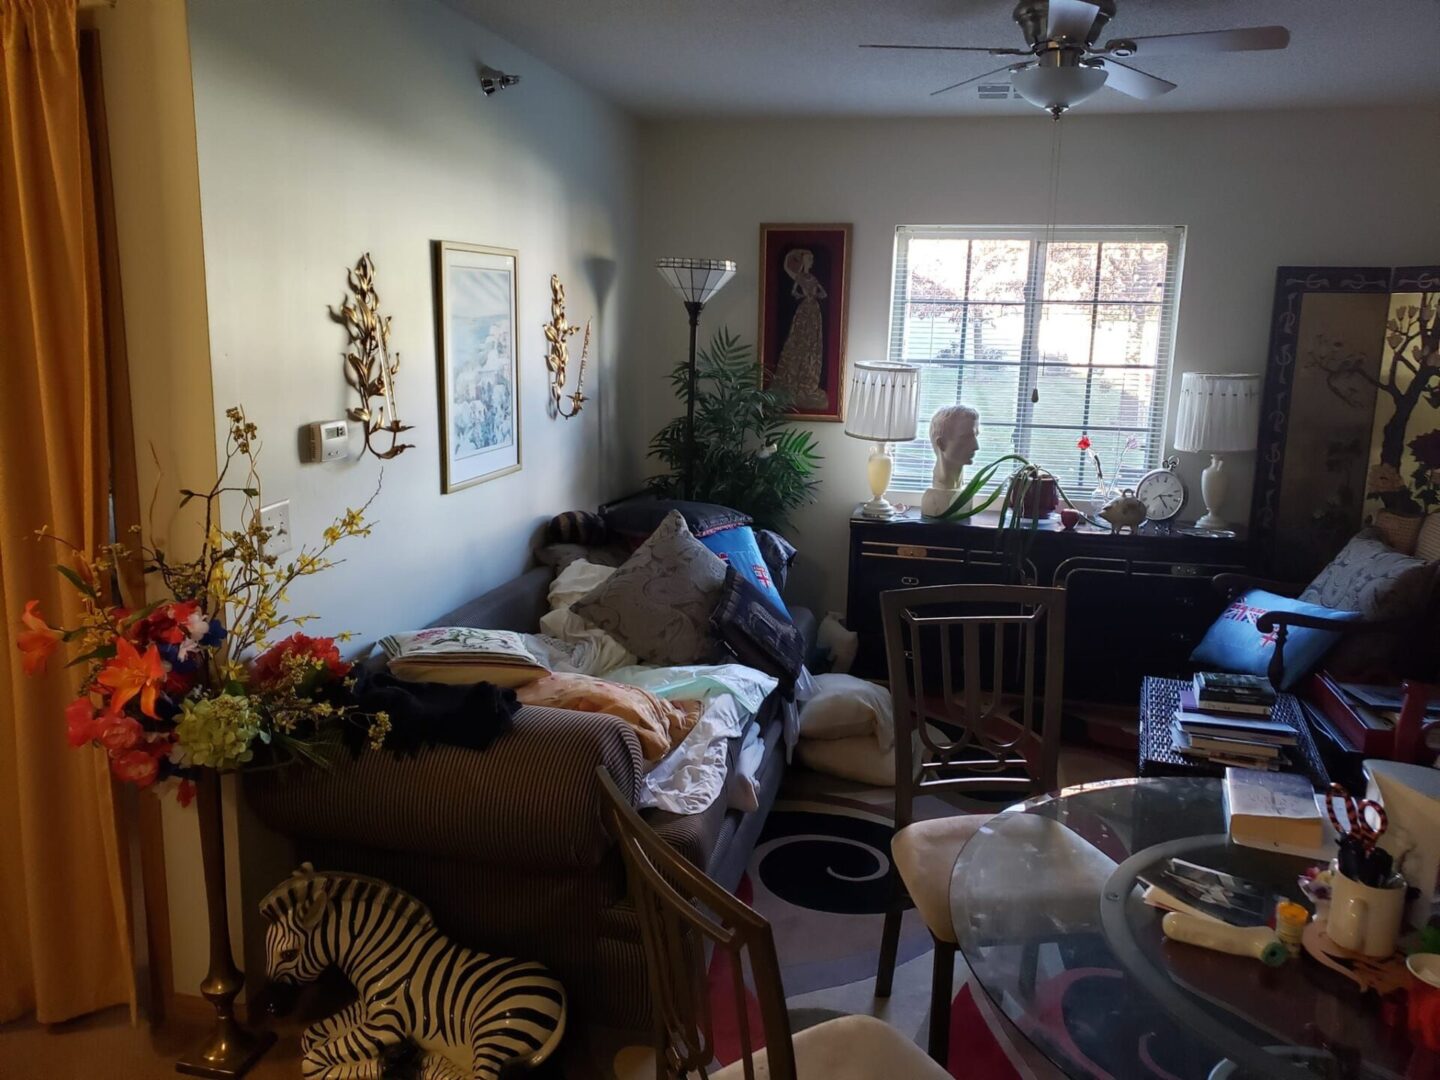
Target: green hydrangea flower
217,732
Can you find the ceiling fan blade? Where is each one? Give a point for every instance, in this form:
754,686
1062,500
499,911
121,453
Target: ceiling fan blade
1241,39
998,51
1134,82
975,78
1071,19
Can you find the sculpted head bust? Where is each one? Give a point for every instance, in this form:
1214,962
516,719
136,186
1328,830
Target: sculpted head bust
955,435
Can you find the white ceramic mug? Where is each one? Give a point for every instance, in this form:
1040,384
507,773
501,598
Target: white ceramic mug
1365,919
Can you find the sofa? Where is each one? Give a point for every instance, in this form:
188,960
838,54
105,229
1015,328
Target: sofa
507,846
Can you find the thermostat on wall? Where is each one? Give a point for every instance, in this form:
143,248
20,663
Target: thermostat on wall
327,440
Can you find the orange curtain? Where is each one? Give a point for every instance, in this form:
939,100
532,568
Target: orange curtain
64,926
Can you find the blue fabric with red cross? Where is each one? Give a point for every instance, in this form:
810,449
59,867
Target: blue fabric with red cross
1233,643
738,548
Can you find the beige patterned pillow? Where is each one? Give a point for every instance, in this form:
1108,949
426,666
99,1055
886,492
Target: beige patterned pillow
1400,531
1427,543
658,605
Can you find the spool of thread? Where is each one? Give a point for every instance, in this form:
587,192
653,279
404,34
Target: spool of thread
1290,920
1258,942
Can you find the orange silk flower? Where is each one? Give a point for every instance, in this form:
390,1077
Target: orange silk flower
37,641
131,673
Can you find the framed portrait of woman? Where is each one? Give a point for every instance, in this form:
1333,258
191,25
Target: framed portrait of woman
804,299
479,375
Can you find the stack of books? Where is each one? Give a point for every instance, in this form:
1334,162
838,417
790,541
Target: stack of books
1225,720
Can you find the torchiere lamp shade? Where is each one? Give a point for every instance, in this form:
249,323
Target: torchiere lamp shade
696,280
883,402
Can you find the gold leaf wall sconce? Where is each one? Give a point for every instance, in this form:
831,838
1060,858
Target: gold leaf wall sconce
370,366
558,333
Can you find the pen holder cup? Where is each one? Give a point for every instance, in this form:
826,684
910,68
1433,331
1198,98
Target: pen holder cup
1363,918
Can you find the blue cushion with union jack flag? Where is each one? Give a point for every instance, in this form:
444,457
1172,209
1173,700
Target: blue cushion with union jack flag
1233,643
738,548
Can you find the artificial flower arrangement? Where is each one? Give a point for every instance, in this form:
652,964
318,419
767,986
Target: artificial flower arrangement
200,679
1107,489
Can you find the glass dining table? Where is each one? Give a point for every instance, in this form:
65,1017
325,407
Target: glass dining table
1047,909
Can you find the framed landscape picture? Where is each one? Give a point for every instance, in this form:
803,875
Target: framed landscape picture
479,374
804,295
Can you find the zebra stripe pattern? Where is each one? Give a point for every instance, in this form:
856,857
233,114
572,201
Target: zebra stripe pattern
468,1012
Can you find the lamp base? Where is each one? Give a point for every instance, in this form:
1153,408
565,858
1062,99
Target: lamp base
881,509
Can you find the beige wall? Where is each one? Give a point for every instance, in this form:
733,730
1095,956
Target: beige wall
335,127
326,129
1256,190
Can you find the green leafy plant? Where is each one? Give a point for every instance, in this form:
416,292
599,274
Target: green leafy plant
746,455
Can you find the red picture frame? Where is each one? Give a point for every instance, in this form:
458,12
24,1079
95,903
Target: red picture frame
804,312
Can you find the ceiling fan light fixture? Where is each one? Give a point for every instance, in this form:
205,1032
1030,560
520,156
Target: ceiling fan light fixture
1056,89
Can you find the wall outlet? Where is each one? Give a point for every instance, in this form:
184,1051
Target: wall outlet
276,518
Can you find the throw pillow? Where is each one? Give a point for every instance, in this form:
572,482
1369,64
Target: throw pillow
459,655
844,706
1233,643
738,548
637,518
1427,543
754,633
1372,578
658,605
577,527
1399,531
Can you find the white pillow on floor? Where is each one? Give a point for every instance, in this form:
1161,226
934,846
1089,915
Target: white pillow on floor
844,707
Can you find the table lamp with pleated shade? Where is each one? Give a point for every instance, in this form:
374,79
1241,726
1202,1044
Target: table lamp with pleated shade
882,405
1219,415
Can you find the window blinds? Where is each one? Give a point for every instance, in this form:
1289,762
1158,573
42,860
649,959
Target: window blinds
1050,333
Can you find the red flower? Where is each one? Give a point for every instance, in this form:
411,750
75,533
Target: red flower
130,673
81,724
185,794
321,652
166,623
37,641
1083,443
136,767
120,733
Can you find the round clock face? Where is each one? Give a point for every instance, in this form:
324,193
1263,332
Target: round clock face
1163,494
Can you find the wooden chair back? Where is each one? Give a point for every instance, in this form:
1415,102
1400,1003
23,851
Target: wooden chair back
952,652
680,910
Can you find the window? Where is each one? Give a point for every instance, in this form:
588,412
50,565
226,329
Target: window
1050,333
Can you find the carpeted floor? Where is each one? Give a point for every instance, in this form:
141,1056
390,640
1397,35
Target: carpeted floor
819,875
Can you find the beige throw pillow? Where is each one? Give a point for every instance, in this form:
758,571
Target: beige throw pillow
658,605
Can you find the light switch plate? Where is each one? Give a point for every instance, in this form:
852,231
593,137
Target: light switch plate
276,518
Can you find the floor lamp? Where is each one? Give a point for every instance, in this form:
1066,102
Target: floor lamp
696,280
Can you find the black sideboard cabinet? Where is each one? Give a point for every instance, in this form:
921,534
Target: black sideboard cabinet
1137,605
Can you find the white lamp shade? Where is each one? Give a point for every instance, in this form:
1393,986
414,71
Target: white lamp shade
1057,87
883,402
1219,414
696,280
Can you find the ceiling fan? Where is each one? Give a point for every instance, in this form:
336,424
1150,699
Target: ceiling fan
1067,66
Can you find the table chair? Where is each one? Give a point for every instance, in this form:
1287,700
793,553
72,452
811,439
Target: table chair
967,723
681,909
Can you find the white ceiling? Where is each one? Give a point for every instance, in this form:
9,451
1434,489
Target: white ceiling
798,57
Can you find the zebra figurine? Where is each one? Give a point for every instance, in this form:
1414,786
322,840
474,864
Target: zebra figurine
470,1013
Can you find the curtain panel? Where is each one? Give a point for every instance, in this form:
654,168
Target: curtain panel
64,926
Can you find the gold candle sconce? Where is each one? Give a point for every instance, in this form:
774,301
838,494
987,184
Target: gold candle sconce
370,367
558,332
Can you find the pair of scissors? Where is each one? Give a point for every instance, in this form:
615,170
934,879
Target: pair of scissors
1365,820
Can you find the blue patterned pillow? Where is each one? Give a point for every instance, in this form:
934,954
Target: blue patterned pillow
739,549
1233,644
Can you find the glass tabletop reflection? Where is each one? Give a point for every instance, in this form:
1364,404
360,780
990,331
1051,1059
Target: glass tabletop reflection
1048,915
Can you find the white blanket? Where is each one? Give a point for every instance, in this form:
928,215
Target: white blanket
598,652
689,778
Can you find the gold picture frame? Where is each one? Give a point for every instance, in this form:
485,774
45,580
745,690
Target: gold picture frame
478,359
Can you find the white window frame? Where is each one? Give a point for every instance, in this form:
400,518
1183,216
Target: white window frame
1039,237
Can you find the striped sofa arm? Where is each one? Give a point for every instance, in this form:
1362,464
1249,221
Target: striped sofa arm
530,800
